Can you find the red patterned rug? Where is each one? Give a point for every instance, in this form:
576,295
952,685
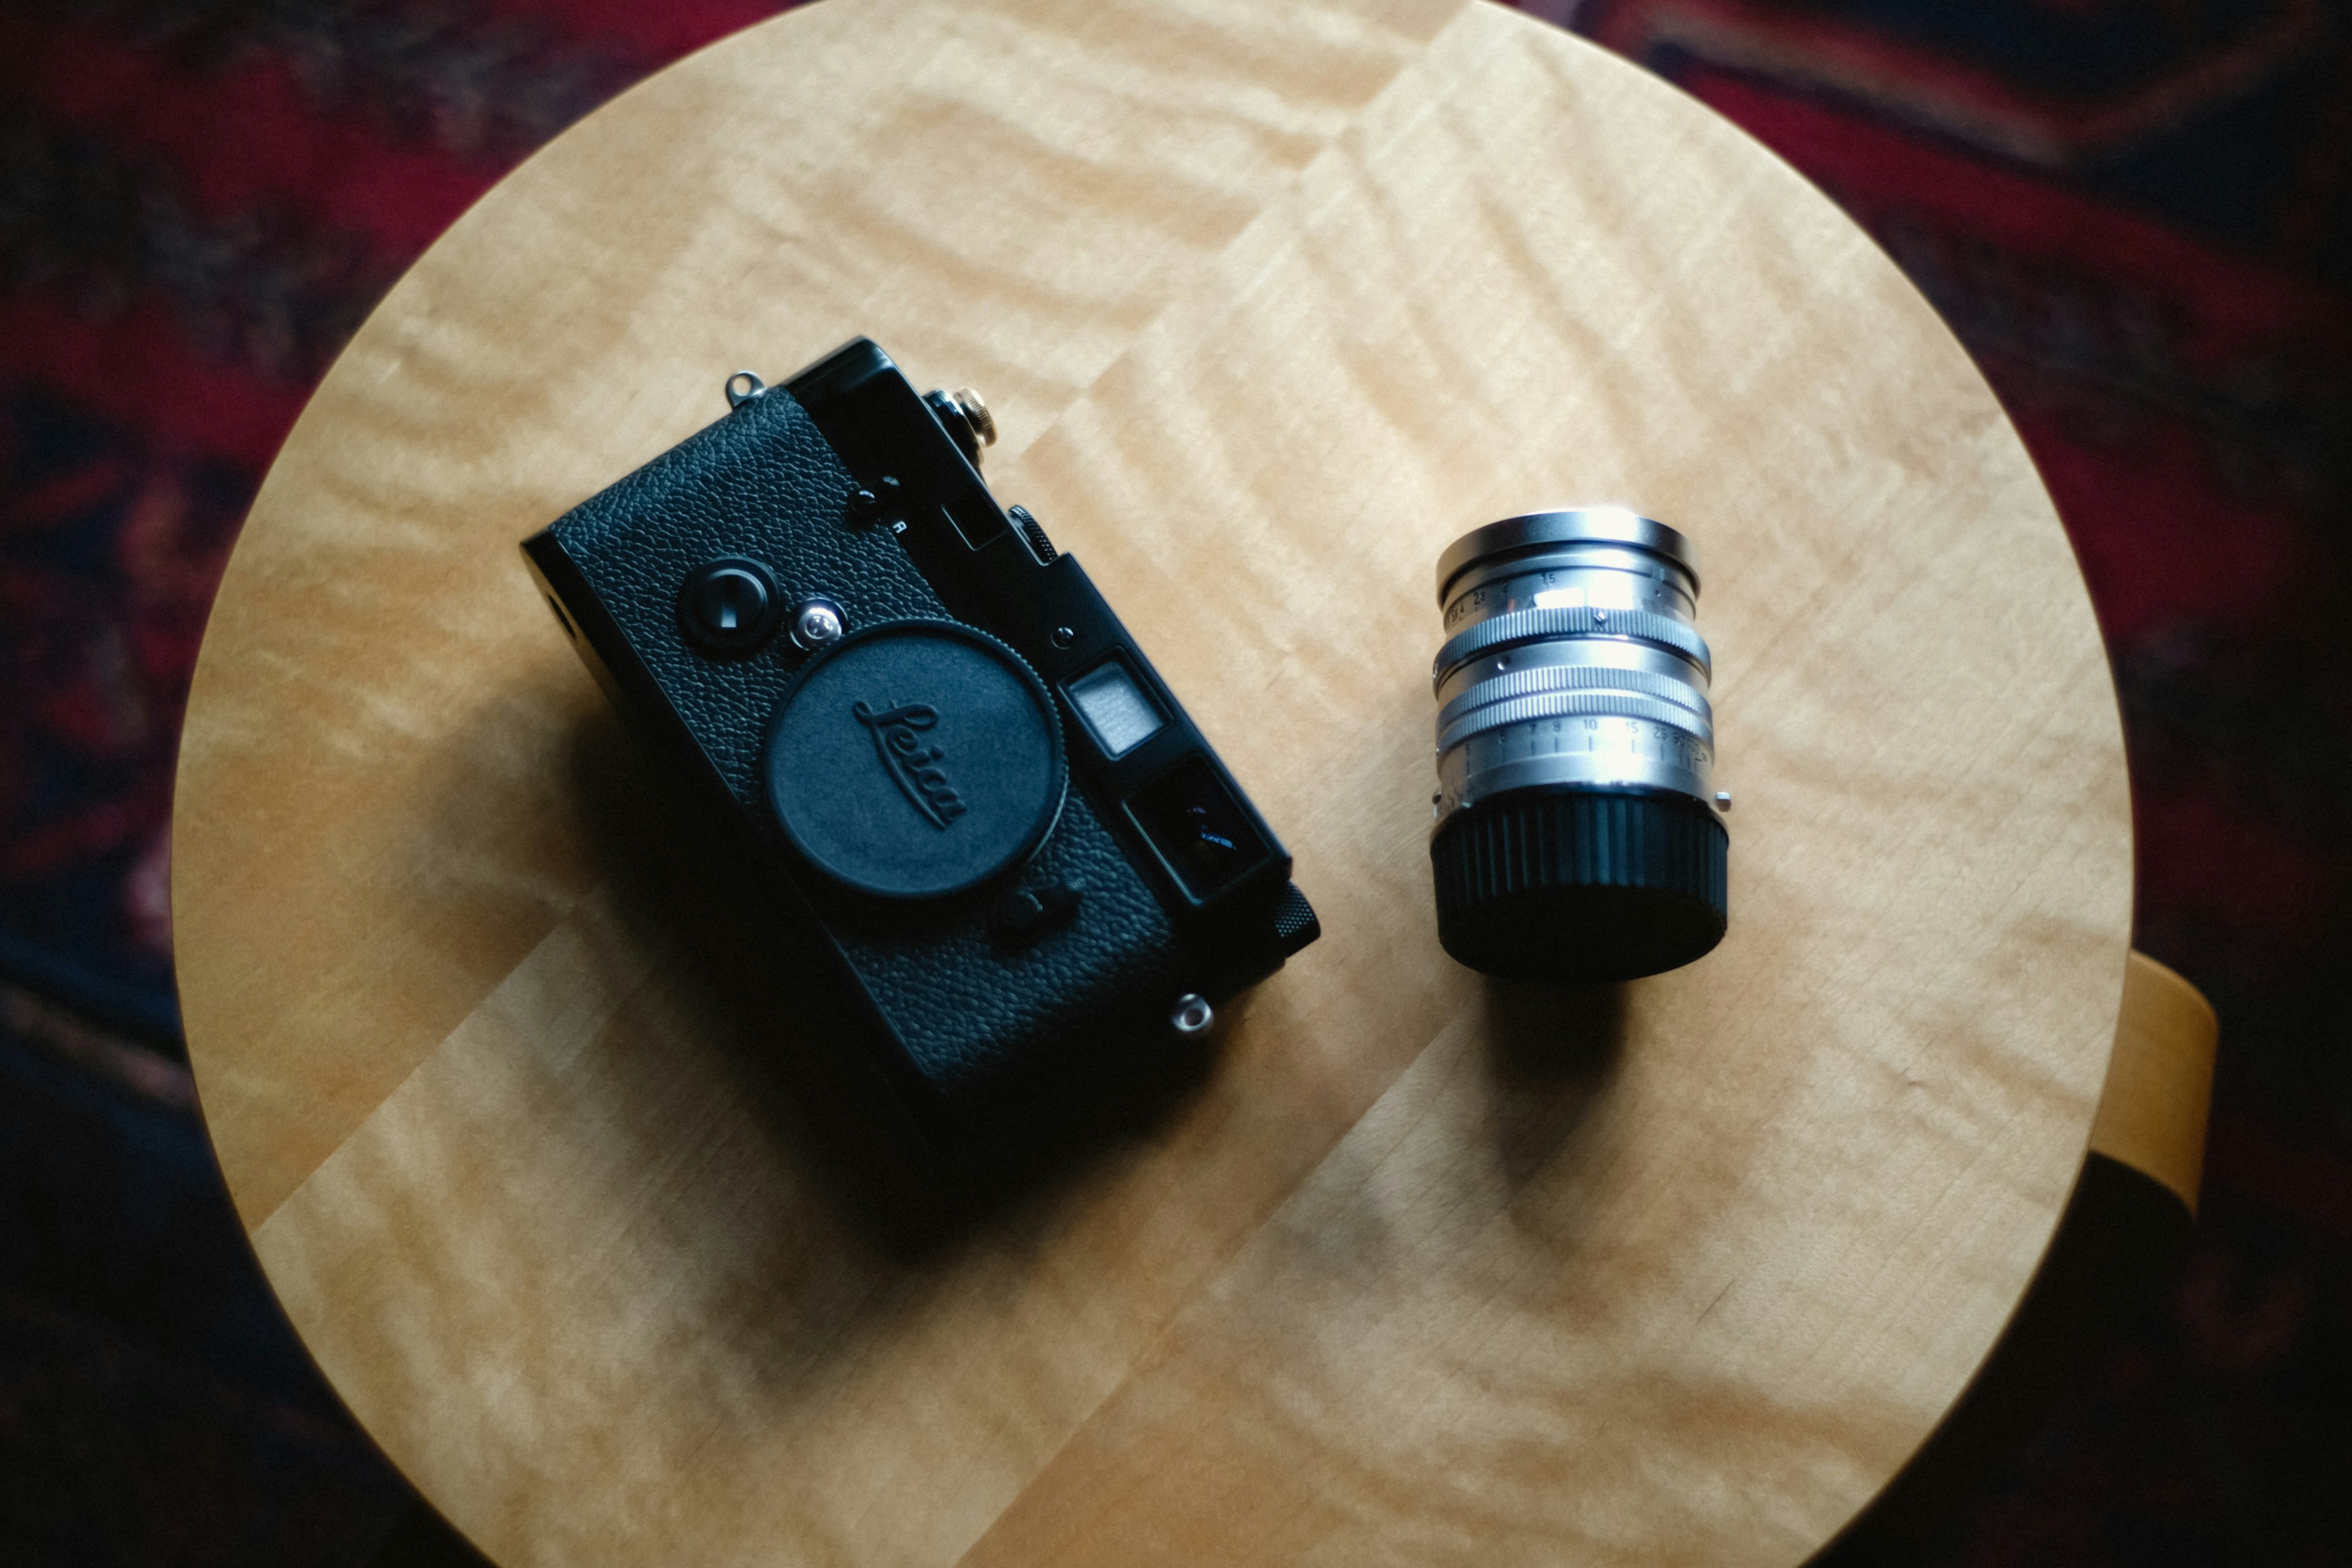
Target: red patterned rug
2135,213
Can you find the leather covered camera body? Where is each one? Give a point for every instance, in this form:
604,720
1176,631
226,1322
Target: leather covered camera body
986,814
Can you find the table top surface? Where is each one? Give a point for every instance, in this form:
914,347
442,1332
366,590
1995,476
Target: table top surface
509,1079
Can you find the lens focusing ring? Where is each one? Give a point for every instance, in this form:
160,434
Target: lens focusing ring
1576,836
1542,625
1537,679
1626,705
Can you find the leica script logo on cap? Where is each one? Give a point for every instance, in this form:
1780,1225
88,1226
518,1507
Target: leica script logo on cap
911,764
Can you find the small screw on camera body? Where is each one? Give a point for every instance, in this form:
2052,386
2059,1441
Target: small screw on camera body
814,623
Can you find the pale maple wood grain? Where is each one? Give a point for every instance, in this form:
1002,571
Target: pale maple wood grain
1272,302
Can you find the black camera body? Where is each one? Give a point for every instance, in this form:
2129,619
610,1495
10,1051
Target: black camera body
961,779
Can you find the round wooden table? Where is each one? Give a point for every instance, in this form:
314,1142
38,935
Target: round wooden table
508,1075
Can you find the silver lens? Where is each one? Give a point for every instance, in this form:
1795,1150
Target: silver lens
1575,838
1572,659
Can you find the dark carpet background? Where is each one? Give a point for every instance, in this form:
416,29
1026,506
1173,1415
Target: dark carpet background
2136,214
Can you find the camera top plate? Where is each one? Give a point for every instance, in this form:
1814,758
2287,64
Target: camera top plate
917,759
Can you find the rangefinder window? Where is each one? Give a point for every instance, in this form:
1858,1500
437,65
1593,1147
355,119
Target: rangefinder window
1198,827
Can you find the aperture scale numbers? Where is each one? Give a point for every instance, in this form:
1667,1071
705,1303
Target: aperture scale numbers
1588,734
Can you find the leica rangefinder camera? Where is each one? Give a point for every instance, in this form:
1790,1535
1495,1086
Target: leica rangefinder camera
989,818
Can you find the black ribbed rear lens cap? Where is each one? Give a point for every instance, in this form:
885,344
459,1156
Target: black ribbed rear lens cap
915,759
1580,884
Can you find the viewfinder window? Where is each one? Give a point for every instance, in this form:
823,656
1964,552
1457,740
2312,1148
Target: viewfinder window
1117,709
975,517
1198,827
